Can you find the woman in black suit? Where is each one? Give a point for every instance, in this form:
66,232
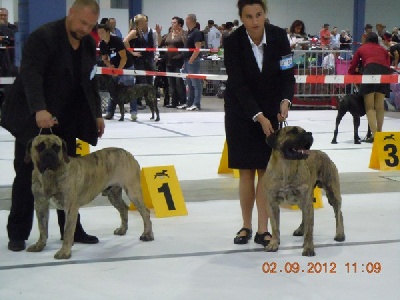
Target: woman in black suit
260,85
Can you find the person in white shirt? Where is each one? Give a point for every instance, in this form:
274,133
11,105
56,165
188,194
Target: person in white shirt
335,39
329,61
214,36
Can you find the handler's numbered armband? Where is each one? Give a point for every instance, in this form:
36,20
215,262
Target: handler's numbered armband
286,62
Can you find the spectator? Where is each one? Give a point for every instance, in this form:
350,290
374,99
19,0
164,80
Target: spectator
383,36
113,28
214,36
95,35
375,60
174,60
325,37
335,39
394,97
7,30
114,55
395,35
228,30
142,37
49,87
235,25
192,65
258,94
297,35
349,34
368,29
345,44
394,55
329,61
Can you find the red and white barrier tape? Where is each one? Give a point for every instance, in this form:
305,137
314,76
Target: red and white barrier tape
347,79
171,49
313,79
109,71
7,80
310,79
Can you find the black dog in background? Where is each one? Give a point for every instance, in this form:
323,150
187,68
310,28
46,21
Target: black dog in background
354,104
122,94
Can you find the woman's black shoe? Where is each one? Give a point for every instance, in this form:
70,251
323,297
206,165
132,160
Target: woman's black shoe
369,140
243,239
260,238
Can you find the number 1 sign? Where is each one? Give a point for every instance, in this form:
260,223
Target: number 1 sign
161,190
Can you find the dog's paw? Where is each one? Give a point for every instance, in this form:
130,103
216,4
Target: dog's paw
334,142
121,120
298,232
36,248
158,119
308,251
272,246
340,238
62,254
120,231
147,237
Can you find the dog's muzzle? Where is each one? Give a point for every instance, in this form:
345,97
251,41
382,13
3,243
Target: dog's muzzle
298,149
48,160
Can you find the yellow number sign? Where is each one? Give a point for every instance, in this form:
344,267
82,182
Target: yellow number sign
161,190
223,164
385,155
317,200
82,148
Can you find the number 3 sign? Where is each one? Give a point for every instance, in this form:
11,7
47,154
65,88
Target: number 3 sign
385,155
161,190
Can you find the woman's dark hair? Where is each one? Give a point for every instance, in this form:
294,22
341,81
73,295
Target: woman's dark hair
106,27
104,21
179,20
243,3
372,37
297,23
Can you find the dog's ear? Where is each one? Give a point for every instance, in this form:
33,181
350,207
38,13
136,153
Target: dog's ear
65,152
28,157
272,138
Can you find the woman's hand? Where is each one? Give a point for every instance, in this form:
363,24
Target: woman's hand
265,124
284,111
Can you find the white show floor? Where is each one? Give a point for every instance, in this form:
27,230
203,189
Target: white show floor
193,257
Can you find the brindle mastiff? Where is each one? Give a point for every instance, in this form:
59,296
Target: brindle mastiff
74,182
123,94
292,173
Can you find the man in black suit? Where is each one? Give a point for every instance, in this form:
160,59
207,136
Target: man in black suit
55,91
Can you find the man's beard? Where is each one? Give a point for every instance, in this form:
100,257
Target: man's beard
75,35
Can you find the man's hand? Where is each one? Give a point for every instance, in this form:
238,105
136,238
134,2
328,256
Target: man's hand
44,119
100,127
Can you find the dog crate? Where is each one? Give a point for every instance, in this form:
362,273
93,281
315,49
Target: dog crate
214,67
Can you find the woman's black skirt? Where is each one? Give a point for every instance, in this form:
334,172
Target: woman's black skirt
375,69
